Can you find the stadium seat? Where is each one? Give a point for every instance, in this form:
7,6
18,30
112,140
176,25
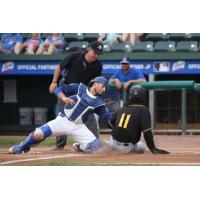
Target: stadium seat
179,36
69,37
195,36
26,36
121,47
187,46
77,45
91,36
45,35
143,46
156,37
165,46
106,47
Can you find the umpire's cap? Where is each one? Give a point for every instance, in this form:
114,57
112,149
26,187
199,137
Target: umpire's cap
101,79
137,94
97,47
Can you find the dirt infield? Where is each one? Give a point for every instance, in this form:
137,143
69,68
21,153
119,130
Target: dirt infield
185,150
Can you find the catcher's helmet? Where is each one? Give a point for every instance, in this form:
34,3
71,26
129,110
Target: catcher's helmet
137,94
101,79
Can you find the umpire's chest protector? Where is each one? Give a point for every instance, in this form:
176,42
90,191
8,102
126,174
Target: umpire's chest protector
84,104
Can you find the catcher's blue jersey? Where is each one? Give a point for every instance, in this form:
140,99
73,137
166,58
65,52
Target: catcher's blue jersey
85,103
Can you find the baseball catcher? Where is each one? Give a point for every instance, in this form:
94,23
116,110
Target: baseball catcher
129,122
81,102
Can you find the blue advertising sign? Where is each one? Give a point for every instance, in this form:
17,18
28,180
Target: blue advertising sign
109,67
26,67
158,67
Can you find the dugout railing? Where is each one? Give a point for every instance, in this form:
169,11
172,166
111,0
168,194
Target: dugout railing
183,85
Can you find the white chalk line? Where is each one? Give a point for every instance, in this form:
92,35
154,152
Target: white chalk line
187,153
42,158
99,163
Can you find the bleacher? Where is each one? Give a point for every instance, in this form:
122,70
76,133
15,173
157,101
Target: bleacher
163,42
150,42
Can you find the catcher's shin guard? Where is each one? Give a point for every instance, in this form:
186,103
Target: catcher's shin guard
94,145
24,146
90,148
33,139
37,136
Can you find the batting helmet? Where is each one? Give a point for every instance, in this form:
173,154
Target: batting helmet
101,79
137,94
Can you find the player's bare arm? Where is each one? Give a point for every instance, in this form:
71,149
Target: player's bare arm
54,83
46,42
65,99
59,43
116,82
140,80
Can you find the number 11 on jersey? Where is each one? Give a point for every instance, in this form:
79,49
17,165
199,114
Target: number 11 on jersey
124,118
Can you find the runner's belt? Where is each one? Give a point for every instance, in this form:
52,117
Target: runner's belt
121,143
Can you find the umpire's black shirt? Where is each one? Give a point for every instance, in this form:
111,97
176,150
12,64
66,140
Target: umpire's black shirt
78,70
129,122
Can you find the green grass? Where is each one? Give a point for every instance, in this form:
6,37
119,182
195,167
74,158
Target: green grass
12,140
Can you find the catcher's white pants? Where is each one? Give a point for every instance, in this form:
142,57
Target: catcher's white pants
62,126
137,148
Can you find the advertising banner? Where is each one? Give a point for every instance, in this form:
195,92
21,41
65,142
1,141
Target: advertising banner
109,67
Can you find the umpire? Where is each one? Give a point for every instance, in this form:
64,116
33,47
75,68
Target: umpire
79,67
129,122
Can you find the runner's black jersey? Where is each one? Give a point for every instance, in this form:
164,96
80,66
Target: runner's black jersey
129,122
